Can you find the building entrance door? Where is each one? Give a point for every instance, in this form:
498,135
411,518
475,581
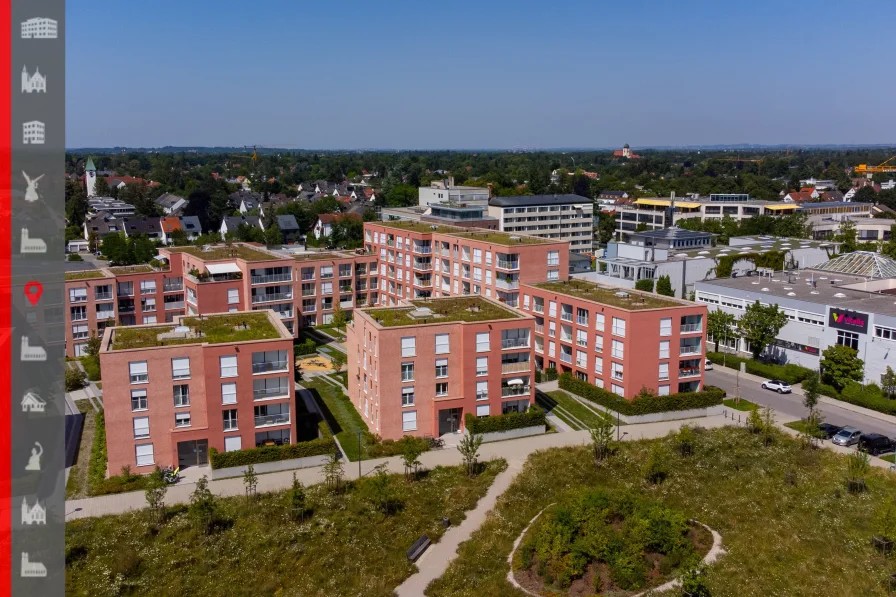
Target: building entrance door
449,420
192,453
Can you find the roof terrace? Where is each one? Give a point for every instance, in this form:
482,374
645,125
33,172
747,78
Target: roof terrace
622,298
442,310
220,252
211,329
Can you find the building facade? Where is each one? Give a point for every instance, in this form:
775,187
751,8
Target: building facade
445,191
551,217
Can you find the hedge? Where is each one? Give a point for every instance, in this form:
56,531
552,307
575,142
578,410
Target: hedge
309,346
869,397
532,417
642,405
96,473
92,367
770,259
792,374
315,447
377,448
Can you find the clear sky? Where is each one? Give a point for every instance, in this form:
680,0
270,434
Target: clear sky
483,74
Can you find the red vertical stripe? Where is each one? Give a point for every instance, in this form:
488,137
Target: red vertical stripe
5,295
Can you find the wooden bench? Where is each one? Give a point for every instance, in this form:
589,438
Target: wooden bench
416,550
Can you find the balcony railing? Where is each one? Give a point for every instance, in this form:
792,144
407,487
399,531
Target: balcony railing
174,305
345,304
268,420
689,328
539,329
689,372
105,314
505,264
564,316
83,316
307,276
507,284
424,283
127,309
309,308
521,390
272,297
685,350
566,358
272,278
538,308
582,320
284,314
423,267
102,296
424,249
270,366
514,343
308,292
78,299
172,287
520,367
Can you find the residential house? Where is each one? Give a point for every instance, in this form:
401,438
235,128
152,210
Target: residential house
102,224
289,228
149,227
231,223
189,224
171,204
111,206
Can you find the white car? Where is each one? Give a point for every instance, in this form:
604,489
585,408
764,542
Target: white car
707,365
777,385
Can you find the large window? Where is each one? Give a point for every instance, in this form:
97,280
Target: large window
599,321
228,393
180,368
182,419
616,371
481,390
619,327
182,395
409,346
138,400
664,349
482,342
850,339
442,389
618,349
481,366
553,257
409,420
228,366
664,371
442,346
233,296
139,372
147,287
230,419
666,326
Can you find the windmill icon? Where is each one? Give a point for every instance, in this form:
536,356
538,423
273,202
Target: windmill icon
31,194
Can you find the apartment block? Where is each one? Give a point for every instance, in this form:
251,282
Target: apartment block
620,340
418,261
418,369
564,217
173,391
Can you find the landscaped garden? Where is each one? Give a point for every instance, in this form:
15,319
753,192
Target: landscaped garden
569,410
785,513
337,540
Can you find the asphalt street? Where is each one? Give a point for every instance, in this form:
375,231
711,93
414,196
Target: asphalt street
792,404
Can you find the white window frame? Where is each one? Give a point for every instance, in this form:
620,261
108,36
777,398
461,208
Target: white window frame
147,457
138,371
409,346
225,392
481,366
409,420
443,343
139,424
178,368
230,369
482,342
405,392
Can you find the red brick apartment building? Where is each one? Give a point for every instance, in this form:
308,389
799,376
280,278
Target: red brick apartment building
173,391
618,339
418,369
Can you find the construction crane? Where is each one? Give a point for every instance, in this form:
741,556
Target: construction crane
757,162
881,168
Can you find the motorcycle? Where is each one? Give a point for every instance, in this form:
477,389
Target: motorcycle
170,475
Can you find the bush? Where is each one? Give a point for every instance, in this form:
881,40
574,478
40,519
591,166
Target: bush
390,447
532,417
829,391
75,379
315,447
642,404
309,346
92,367
550,374
96,473
645,285
870,396
792,374
75,257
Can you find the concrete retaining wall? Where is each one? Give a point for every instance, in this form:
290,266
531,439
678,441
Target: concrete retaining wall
669,415
495,436
269,467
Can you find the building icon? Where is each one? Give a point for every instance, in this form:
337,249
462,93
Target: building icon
33,132
36,83
39,28
32,353
32,569
33,403
33,514
32,245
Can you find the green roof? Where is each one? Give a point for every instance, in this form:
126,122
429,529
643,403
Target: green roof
504,238
219,252
632,300
318,256
90,165
419,226
131,269
214,329
444,310
84,275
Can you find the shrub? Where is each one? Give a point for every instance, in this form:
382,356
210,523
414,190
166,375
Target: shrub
96,473
392,447
315,447
550,374
645,284
75,257
532,417
309,346
642,404
92,367
870,397
75,379
790,372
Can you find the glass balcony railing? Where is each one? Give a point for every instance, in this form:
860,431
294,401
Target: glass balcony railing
269,366
689,328
689,372
272,297
517,390
514,343
103,296
272,278
268,420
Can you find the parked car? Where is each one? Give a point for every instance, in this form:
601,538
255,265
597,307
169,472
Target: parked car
847,436
776,385
829,430
707,366
875,443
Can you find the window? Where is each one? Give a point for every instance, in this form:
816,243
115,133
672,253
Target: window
233,296
482,342
599,322
138,400
228,393
618,390
599,366
581,359
407,371
139,372
144,455
553,258
182,395
182,419
552,309
619,327
881,332
442,344
481,390
481,366
616,371
850,339
147,286
553,274
441,367
149,319
409,346
77,295
228,366
80,332
666,326
598,382
482,410
618,349
326,271
230,419
141,427
598,343
477,255
581,337
664,349
180,368
409,420
663,391
148,305
442,389
233,443
664,371
407,396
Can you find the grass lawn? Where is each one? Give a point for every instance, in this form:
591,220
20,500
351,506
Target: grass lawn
888,458
220,328
77,485
345,547
444,310
341,377
568,409
341,415
804,539
744,405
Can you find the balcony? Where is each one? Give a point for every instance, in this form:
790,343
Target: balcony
173,287
520,367
519,390
104,314
284,314
345,304
690,328
83,316
508,265
268,420
507,284
423,249
538,308
272,278
565,357
423,267
566,315
514,343
174,305
102,296
271,297
422,282
689,372
307,276
270,367
539,329
689,349
582,321
124,309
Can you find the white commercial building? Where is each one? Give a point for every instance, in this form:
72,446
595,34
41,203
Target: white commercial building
557,217
444,191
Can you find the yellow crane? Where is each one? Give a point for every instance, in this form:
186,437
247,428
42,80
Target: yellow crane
879,169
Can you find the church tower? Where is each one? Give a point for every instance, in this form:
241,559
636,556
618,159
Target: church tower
90,178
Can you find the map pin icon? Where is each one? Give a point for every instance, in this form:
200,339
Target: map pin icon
33,290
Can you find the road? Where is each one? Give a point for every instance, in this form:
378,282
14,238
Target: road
792,404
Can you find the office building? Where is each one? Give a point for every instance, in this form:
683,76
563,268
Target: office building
552,217
445,191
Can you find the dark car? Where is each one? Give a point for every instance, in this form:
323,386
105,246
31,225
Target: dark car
829,430
875,443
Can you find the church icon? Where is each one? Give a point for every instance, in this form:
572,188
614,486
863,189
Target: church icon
36,83
32,403
35,514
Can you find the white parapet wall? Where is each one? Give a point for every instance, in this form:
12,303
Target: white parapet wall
495,436
270,467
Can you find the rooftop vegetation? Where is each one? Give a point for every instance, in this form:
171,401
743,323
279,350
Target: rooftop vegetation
219,252
468,309
216,329
609,295
84,275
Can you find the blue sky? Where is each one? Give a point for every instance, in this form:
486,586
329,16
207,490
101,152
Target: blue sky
495,74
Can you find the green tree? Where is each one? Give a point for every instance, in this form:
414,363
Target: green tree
865,195
469,451
75,379
410,458
380,491
693,583
93,345
101,189
75,203
810,390
841,364
606,227
250,480
334,472
645,284
889,248
273,236
888,383
339,316
847,236
602,438
203,505
721,325
664,286
156,488
759,325
115,248
641,227
297,498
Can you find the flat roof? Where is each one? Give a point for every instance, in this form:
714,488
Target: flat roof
414,226
219,252
131,269
89,274
444,310
505,238
614,296
208,329
523,200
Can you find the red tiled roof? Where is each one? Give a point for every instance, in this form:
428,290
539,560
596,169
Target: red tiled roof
170,224
800,196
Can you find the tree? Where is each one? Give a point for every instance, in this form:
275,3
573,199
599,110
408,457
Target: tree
250,480
606,227
75,379
380,491
156,488
203,505
888,383
721,325
866,194
297,498
409,457
645,284
101,189
641,227
115,248
178,238
847,236
841,364
810,390
339,316
693,582
664,286
75,203
334,472
759,325
93,242
93,345
273,236
602,438
889,248
469,451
